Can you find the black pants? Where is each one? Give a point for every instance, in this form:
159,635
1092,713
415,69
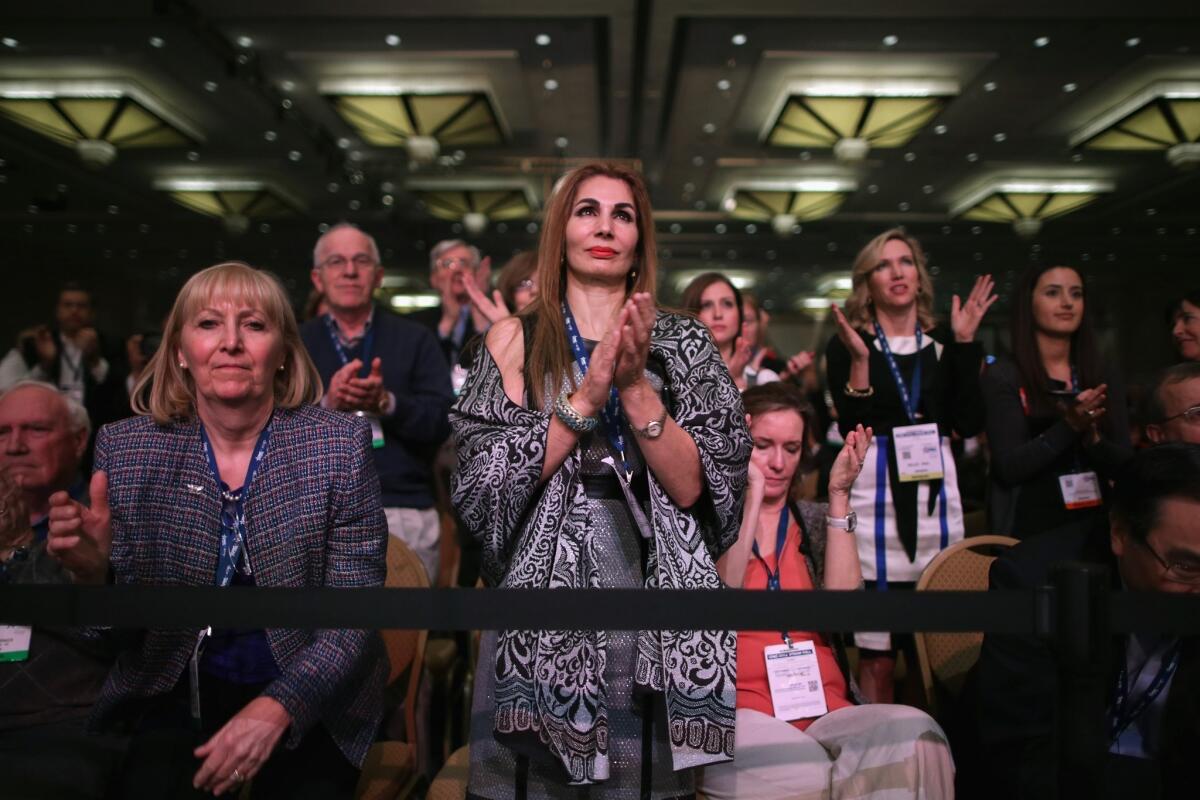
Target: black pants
160,763
58,760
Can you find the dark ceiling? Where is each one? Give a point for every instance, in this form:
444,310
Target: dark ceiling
662,82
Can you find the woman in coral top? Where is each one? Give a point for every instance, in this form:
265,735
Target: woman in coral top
818,740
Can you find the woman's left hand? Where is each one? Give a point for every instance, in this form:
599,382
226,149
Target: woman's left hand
966,316
849,462
238,750
494,309
637,320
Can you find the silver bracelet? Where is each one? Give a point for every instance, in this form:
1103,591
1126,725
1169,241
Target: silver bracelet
572,418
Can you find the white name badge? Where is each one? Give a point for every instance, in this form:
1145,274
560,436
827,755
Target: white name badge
14,642
918,452
795,680
376,428
1080,490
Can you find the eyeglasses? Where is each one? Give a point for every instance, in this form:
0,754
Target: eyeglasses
1188,414
1177,572
340,263
455,263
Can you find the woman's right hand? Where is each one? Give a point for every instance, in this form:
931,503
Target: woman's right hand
849,337
81,537
596,387
849,463
1089,407
756,484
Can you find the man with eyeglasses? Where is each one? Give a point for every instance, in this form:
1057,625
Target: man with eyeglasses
385,368
1173,406
453,264
1150,737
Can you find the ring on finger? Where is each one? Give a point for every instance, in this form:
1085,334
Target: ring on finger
236,777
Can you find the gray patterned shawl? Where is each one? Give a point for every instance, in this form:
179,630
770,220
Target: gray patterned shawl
550,689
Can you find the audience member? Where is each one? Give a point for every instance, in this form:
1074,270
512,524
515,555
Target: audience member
1173,405
230,476
73,356
1184,319
43,436
891,370
1148,746
388,370
810,739
1057,421
797,368
717,303
49,678
453,264
648,498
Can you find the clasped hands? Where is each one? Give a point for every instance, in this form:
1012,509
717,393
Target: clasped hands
620,358
348,392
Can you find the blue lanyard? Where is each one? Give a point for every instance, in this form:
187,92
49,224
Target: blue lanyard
367,341
773,582
1121,717
233,508
611,413
911,398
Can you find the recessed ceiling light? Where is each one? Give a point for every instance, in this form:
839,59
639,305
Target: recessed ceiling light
1150,212
114,209
891,40
720,227
972,156
355,155
676,227
210,86
976,230
1133,41
158,41
1041,41
927,188
387,199
709,127
904,206
1077,156
873,189
270,136
295,155
531,227
287,86
910,157
700,205
392,40
542,39
332,187
1070,87
343,143
8,41
244,41
805,155
990,86
561,142
940,130
192,155
355,205
285,103
1116,231
738,39
550,84
751,228
698,161
999,137
724,85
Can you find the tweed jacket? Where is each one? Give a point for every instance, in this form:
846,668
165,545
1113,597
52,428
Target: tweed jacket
314,519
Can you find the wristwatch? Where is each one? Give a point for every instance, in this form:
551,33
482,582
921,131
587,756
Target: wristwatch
654,428
847,523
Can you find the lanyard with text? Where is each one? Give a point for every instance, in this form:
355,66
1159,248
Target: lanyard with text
611,413
367,341
1121,717
233,508
911,398
773,582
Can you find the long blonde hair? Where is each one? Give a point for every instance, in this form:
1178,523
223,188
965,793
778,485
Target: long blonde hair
547,353
859,312
167,392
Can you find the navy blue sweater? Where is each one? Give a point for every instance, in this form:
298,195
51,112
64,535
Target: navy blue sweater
415,371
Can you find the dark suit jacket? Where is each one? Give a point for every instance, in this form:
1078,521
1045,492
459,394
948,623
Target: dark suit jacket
314,519
1018,685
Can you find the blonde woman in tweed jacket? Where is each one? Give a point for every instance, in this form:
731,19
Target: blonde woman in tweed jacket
228,402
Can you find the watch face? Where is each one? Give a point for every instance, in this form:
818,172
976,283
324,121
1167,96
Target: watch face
654,429
851,521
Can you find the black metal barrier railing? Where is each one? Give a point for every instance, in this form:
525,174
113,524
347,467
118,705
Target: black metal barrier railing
1078,612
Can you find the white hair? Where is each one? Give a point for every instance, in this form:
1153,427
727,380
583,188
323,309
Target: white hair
343,226
446,245
77,415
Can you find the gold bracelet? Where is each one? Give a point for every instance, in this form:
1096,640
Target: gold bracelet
852,392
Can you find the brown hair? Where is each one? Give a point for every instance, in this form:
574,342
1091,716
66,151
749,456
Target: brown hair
695,291
858,305
519,268
547,354
779,396
166,390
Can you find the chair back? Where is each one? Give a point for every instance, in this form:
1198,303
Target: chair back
946,658
405,648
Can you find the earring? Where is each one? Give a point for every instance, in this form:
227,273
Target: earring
182,365
281,367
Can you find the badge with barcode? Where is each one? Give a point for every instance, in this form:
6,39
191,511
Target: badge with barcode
14,642
1080,490
794,676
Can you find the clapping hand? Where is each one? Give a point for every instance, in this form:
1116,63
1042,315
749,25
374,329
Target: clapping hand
796,365
965,317
1088,408
494,310
848,336
80,537
635,321
348,392
849,462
